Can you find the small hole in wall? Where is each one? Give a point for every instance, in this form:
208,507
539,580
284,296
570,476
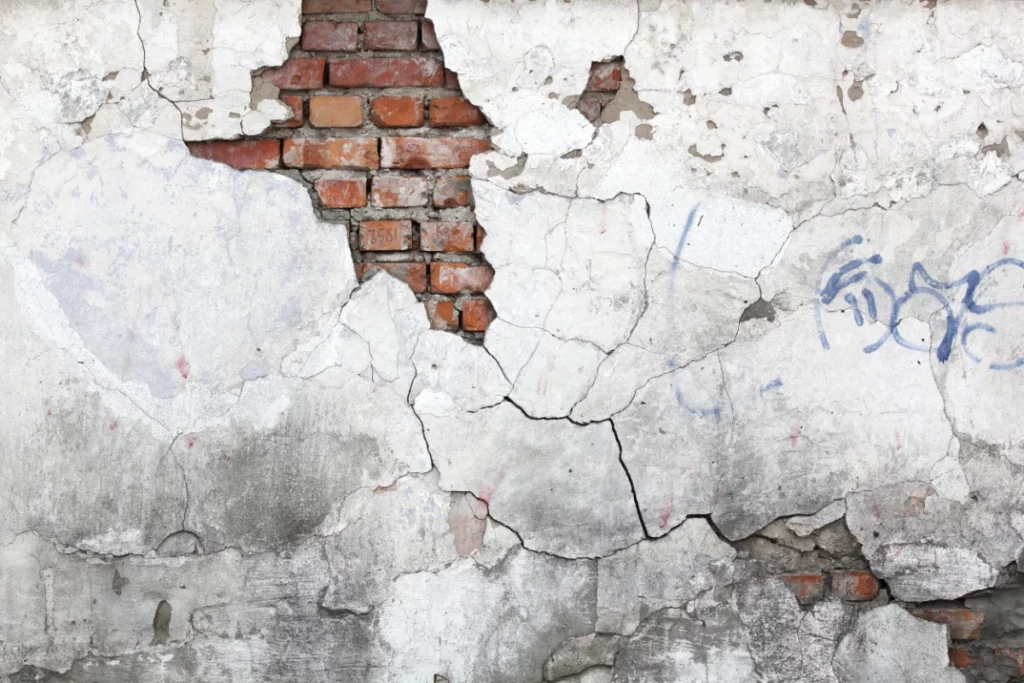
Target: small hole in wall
162,623
982,131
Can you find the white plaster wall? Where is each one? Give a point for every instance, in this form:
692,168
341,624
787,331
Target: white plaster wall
201,407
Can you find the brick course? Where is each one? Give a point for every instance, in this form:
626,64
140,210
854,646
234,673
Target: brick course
383,136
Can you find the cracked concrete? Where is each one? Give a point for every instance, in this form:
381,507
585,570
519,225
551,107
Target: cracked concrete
743,326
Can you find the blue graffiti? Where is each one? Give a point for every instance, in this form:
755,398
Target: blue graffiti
868,297
679,247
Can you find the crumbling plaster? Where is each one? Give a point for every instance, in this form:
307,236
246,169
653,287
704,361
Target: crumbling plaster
778,280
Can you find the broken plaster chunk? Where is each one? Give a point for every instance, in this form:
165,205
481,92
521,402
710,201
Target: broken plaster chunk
560,486
511,346
556,377
576,655
805,525
619,376
651,575
889,645
451,374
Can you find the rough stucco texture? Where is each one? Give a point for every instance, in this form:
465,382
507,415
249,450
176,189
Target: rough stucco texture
748,409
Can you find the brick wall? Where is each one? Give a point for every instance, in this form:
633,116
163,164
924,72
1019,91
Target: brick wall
382,137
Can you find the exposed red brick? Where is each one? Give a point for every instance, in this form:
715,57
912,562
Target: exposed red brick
421,153
390,35
399,191
341,193
477,314
605,76
295,102
442,314
397,112
328,6
359,153
385,235
335,111
454,112
428,38
963,623
856,585
300,73
402,6
589,106
451,191
451,80
446,236
451,278
330,35
413,274
240,154
960,657
480,234
386,72
807,588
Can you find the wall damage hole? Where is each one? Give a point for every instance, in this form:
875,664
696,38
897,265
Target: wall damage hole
162,624
118,582
851,39
760,309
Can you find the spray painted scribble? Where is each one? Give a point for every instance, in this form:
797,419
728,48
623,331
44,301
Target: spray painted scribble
995,292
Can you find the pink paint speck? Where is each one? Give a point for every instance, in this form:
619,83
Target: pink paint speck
899,444
184,367
190,441
1006,247
794,436
113,425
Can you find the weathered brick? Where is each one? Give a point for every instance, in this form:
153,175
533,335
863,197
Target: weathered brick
330,35
413,274
960,657
421,153
807,588
856,585
589,106
385,235
329,6
446,236
402,6
240,154
963,623
480,234
390,35
387,72
341,193
451,191
399,191
359,153
452,278
397,112
295,102
477,314
451,80
335,111
454,112
442,314
300,73
605,76
428,38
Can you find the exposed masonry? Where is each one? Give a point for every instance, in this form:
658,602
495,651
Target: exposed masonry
689,447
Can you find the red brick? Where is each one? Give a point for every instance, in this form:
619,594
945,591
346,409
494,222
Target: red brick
386,72
341,193
446,236
480,234
963,623
421,153
451,191
452,278
300,73
856,585
330,35
391,192
390,35
428,38
402,6
807,588
240,153
328,6
477,314
589,106
397,112
385,235
295,102
331,153
442,314
605,76
960,657
451,80
454,112
335,111
1014,653
413,274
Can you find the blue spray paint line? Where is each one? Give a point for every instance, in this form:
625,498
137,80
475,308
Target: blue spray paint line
714,411
858,317
856,239
679,247
774,385
869,297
